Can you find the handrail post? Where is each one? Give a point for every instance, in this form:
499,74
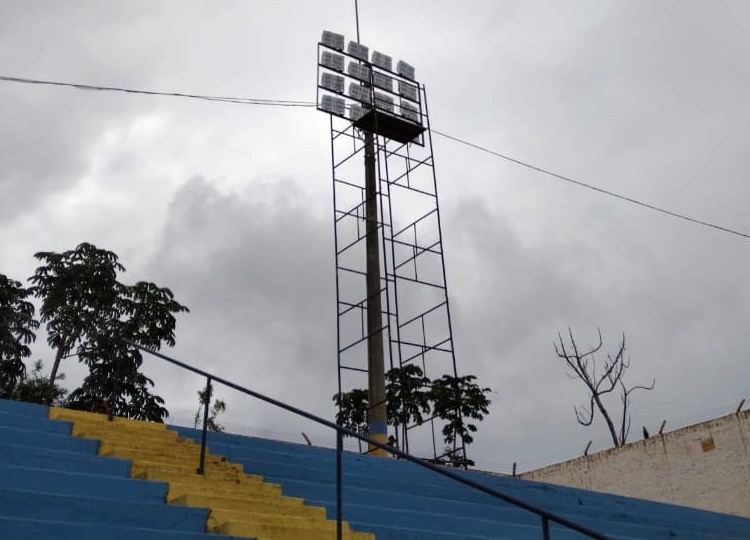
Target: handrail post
545,528
339,482
207,401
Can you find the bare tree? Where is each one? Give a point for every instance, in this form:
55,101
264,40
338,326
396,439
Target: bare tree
601,380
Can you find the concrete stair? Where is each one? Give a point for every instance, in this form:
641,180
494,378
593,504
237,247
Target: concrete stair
126,480
238,504
398,500
54,486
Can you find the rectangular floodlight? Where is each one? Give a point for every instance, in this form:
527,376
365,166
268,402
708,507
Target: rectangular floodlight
333,40
384,102
409,111
382,81
358,71
405,70
356,112
333,105
334,83
409,91
360,93
382,60
357,50
332,61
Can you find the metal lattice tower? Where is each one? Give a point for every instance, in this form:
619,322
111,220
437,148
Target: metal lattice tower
379,116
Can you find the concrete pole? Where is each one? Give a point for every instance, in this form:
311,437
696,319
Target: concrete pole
378,417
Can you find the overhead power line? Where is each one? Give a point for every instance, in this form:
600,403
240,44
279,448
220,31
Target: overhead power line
224,99
589,186
291,103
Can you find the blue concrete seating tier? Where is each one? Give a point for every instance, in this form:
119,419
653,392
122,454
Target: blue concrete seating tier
399,500
55,486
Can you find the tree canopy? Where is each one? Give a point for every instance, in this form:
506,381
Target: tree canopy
88,313
17,332
412,398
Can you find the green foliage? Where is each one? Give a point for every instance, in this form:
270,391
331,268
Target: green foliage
352,410
35,388
457,400
17,326
87,310
414,398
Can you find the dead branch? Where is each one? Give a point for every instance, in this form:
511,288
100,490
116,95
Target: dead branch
600,380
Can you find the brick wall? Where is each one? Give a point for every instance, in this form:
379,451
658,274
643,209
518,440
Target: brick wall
705,465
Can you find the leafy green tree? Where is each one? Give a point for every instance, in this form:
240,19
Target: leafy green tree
407,392
352,410
17,326
457,401
78,290
90,314
413,399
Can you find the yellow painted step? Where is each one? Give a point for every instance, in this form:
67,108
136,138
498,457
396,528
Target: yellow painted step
165,456
177,448
58,413
314,522
217,466
231,503
281,531
156,471
243,483
97,429
222,489
218,515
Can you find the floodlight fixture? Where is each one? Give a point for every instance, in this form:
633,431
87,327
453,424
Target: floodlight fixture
359,71
357,50
409,111
333,40
383,101
409,91
382,60
335,105
334,83
332,60
359,93
405,70
382,80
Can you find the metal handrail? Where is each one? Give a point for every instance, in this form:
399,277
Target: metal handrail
545,515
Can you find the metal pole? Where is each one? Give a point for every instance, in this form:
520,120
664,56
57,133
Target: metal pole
378,419
339,484
207,396
545,528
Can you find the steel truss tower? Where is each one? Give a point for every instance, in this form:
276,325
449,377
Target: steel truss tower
389,127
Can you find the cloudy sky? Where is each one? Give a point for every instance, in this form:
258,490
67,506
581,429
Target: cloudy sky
230,205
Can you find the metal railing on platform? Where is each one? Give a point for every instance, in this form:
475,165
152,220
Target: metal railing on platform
341,432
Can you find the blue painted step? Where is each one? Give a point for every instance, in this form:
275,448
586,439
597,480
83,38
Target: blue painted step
75,483
26,529
33,422
43,458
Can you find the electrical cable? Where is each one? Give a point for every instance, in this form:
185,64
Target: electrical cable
224,99
291,103
589,186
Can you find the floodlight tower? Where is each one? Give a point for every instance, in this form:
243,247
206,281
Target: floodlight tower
386,219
